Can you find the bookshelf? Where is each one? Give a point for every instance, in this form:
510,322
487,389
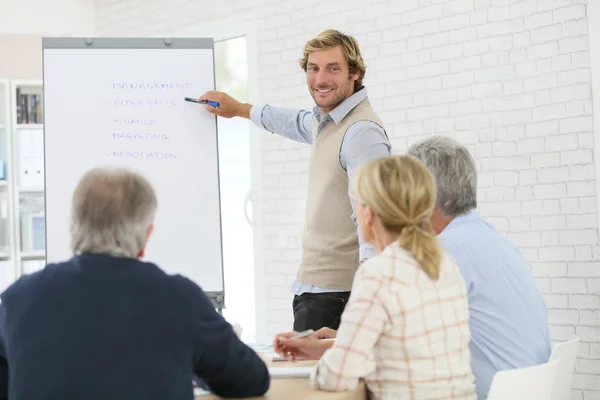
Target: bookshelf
8,270
5,221
26,176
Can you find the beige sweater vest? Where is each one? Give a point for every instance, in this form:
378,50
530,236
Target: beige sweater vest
330,248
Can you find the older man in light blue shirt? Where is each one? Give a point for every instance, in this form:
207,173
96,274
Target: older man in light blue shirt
508,316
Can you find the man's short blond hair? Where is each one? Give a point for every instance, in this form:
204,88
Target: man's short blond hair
350,48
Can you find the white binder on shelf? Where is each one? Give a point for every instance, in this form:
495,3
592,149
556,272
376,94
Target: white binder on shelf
33,232
4,223
24,157
30,148
37,143
7,275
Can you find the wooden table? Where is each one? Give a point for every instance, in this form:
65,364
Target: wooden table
300,389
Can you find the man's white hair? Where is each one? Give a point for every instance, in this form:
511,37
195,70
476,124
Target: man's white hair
112,210
454,171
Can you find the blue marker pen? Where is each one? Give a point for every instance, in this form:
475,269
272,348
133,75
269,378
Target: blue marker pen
210,103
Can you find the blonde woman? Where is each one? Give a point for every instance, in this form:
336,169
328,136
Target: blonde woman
405,327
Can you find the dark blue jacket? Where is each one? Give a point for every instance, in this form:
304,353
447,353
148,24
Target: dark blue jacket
102,327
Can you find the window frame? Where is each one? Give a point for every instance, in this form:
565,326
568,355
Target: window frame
224,29
593,14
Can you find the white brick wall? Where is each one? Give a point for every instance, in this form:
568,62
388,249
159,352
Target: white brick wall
509,78
52,18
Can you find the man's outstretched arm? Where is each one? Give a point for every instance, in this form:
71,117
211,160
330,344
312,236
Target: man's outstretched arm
288,122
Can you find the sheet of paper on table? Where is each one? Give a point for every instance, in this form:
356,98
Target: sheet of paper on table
201,392
290,372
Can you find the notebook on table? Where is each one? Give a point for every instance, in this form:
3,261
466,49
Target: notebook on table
201,392
290,372
200,387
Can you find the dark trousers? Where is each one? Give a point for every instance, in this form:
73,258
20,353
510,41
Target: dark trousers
318,310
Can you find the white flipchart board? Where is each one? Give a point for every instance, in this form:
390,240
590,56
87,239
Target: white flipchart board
120,102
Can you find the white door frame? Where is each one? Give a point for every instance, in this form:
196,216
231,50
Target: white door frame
593,16
229,28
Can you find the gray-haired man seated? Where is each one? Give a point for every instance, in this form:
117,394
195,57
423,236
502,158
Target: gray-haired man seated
508,317
106,325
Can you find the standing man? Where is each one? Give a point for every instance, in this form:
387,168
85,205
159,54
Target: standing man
344,132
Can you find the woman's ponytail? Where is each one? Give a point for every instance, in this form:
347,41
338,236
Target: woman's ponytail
401,191
424,248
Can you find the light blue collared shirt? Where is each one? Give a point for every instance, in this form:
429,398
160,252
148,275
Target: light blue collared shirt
364,141
508,316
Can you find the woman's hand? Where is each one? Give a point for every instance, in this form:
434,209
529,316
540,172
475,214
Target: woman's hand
309,348
325,333
277,346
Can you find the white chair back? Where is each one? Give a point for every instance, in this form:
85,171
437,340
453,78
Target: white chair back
531,383
564,353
